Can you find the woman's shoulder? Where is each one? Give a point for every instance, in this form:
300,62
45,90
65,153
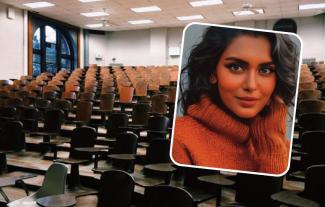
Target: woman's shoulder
184,123
187,127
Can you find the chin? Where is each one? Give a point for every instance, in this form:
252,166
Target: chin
246,114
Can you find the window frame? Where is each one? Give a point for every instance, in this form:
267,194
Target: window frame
62,31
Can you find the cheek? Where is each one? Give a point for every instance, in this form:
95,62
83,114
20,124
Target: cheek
267,86
228,82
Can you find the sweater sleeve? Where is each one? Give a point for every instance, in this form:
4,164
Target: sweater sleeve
269,145
180,154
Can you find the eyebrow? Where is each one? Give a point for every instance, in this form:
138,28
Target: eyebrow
246,63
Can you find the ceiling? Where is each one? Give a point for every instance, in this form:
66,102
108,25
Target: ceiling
69,11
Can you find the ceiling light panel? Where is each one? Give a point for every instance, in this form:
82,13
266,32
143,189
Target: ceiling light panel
311,6
193,17
142,21
205,3
146,9
88,1
40,4
247,12
94,25
95,14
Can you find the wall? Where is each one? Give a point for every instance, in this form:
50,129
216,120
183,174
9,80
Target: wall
174,40
13,47
310,29
137,47
150,46
158,46
97,48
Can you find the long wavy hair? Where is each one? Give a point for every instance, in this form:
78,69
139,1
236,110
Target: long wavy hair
204,57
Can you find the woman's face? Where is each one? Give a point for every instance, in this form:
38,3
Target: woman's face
245,75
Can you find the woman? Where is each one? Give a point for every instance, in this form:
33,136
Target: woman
240,84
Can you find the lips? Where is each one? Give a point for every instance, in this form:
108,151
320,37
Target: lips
247,101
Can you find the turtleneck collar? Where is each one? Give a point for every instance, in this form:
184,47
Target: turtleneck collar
216,119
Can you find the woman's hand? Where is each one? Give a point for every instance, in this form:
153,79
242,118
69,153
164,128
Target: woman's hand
268,143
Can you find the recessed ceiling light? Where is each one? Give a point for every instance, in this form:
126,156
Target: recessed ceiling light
185,18
142,21
94,25
247,12
95,14
146,9
87,1
311,6
205,3
40,4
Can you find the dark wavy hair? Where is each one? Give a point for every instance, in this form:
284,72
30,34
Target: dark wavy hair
204,57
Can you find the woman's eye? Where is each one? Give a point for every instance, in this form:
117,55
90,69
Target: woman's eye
235,67
266,70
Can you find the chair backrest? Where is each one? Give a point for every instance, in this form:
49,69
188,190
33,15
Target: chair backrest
309,94
313,142
140,113
307,86
22,94
126,94
12,136
126,143
53,120
87,96
62,104
255,190
315,184
166,196
8,112
54,181
158,103
172,94
50,95
311,106
84,110
141,88
29,118
82,137
107,101
115,121
70,95
312,121
14,102
158,123
42,103
158,151
116,189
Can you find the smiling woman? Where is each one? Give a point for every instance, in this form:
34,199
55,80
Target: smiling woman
240,84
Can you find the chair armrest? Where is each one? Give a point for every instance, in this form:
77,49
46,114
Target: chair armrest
71,161
157,132
292,198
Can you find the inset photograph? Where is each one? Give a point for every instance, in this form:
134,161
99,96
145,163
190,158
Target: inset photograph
236,99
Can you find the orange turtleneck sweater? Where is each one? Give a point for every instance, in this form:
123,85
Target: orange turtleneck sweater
208,136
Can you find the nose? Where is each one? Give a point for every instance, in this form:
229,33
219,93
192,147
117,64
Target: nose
250,81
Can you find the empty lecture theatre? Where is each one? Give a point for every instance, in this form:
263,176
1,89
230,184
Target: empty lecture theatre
102,103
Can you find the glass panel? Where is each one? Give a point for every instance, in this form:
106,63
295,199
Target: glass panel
50,34
66,63
64,46
51,58
36,64
37,39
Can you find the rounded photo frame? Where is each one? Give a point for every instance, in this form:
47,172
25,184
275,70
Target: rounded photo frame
236,99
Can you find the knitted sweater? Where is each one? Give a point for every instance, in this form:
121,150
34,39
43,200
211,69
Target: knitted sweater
210,137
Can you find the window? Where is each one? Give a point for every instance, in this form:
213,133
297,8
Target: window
52,50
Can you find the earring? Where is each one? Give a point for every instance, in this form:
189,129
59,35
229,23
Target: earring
213,79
